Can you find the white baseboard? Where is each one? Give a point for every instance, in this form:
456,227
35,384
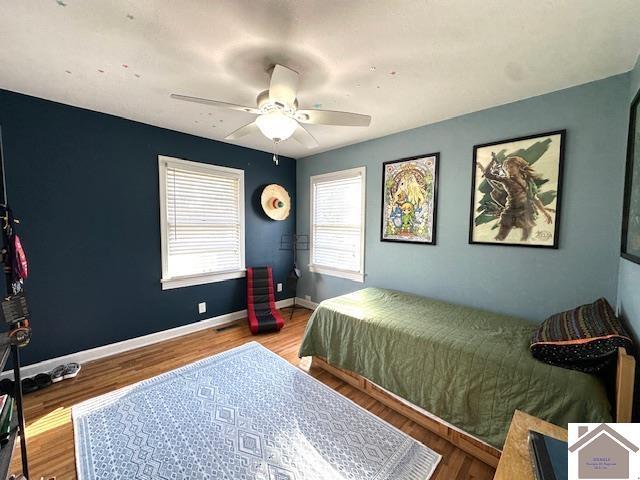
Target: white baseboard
306,303
119,347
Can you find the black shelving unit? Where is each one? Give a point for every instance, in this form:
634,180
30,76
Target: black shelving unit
9,349
17,423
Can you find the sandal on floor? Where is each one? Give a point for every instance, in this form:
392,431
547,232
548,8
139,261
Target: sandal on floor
42,380
29,385
57,374
71,370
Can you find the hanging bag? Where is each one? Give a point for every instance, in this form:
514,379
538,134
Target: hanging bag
20,268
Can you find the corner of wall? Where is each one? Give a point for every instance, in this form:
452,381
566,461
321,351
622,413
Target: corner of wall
628,299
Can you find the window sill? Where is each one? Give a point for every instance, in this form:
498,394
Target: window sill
191,280
334,272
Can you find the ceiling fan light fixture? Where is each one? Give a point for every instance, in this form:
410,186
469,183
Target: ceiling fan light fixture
276,125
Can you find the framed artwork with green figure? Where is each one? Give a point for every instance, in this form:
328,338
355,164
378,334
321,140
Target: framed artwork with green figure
516,191
409,199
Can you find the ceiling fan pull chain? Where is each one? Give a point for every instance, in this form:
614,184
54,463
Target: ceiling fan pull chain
275,154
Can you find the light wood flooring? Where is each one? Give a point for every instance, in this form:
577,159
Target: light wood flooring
48,412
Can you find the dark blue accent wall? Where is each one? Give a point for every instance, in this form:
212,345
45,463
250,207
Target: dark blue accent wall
85,186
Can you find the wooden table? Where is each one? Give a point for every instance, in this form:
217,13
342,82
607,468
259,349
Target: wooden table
515,461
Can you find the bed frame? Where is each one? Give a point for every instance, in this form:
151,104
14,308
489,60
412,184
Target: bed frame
625,375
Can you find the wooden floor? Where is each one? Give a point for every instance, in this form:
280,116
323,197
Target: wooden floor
48,412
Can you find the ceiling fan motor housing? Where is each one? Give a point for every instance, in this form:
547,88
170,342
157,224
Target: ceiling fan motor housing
266,105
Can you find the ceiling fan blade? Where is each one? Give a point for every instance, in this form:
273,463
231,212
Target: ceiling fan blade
284,85
302,136
242,131
216,103
330,117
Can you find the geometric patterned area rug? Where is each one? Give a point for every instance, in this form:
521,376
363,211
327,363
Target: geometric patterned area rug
242,414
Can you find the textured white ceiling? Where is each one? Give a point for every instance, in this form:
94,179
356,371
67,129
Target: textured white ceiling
407,63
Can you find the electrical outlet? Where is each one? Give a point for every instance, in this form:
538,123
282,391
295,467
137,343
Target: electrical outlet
307,297
279,287
202,307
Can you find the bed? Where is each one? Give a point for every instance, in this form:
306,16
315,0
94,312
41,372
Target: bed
471,369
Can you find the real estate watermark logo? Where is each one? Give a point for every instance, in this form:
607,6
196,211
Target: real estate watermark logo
604,451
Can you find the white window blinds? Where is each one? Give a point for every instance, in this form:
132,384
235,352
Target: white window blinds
203,220
337,211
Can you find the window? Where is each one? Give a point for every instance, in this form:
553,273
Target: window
201,222
337,224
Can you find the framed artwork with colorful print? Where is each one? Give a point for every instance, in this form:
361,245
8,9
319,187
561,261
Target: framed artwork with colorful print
409,199
631,210
516,190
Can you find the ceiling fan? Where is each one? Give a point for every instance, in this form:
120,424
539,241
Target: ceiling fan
278,116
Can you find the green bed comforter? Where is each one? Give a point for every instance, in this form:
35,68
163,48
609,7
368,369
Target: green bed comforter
469,367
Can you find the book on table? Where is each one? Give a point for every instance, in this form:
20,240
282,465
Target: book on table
548,457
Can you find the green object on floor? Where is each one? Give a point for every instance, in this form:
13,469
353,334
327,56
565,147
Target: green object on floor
470,367
5,419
